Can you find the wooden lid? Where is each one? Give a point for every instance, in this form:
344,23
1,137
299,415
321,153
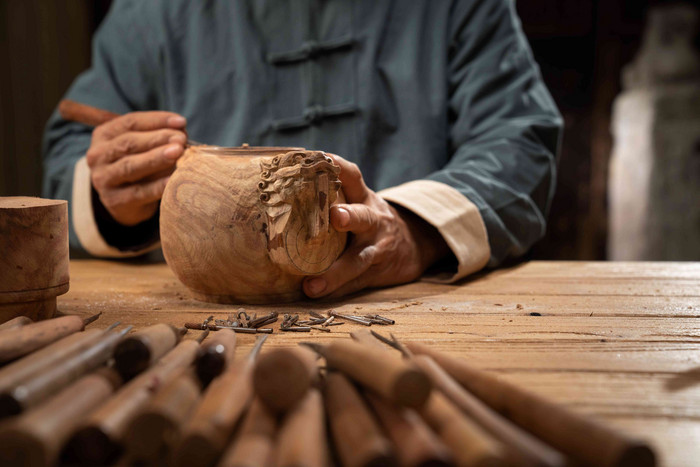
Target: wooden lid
23,202
257,151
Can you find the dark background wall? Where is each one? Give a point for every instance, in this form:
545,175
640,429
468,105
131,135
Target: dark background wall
581,47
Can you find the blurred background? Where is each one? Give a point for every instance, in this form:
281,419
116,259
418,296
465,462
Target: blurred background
583,48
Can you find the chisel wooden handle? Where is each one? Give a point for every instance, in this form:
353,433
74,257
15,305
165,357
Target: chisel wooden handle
101,435
226,399
527,449
283,376
85,114
386,374
356,435
91,116
302,437
36,437
153,433
469,443
41,386
416,445
253,447
216,354
143,348
585,440
26,339
15,323
39,361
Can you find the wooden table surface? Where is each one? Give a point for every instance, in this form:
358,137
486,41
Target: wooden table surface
618,341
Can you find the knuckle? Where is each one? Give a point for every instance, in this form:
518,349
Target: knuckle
128,121
167,135
93,156
111,199
161,137
365,257
370,217
354,171
384,218
126,167
100,132
125,145
158,189
136,191
99,180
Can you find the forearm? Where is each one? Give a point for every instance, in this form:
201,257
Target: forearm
120,80
433,247
66,176
505,128
511,181
463,244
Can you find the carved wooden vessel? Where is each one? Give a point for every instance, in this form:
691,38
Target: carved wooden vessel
247,224
33,256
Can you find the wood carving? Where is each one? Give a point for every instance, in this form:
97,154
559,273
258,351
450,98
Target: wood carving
297,190
247,224
33,256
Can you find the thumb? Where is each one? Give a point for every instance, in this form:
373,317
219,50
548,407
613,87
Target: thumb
355,218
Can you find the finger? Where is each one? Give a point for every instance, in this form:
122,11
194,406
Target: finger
350,176
139,121
350,265
356,218
163,173
135,195
135,215
148,166
133,142
136,167
361,282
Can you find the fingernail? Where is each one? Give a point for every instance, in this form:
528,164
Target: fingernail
343,217
178,138
177,121
173,151
316,285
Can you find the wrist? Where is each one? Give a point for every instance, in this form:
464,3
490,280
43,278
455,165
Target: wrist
430,245
125,238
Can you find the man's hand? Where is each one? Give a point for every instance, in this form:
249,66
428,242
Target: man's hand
389,246
131,159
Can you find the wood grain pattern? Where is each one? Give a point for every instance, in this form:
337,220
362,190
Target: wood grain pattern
266,207
618,341
33,256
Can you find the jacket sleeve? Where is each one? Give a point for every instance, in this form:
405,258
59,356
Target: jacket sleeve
120,80
504,131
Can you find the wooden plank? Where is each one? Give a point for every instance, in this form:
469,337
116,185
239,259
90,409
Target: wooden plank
680,445
613,393
618,341
591,279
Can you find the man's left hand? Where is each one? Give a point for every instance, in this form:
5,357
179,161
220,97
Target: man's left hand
389,246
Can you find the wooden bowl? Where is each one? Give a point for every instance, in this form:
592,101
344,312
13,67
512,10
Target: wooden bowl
247,224
33,256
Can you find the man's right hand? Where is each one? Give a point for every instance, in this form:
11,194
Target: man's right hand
131,159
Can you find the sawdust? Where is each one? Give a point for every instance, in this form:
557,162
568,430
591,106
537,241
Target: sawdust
403,305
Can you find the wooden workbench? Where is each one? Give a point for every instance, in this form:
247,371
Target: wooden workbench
619,341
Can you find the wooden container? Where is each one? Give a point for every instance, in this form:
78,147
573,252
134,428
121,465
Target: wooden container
247,224
33,256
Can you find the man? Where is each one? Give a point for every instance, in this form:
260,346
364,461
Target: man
437,103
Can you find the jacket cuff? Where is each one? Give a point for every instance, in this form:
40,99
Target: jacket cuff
85,223
455,217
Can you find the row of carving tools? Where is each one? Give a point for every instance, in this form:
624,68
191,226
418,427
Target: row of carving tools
99,397
242,322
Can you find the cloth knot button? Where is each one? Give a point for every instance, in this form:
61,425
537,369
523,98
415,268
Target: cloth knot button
313,114
310,49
